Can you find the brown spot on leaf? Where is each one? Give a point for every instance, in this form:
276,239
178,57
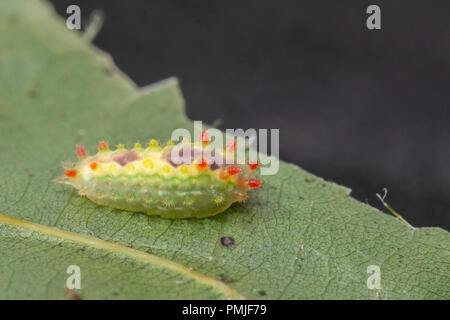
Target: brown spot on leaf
262,293
227,241
70,294
32,94
224,279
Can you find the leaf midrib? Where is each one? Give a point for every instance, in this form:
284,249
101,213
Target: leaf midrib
130,252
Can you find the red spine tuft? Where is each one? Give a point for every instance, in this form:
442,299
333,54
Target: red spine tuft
102,146
254,183
71,173
81,152
231,146
202,164
233,170
253,165
204,137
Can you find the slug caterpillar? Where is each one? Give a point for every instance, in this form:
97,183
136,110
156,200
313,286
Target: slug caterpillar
152,182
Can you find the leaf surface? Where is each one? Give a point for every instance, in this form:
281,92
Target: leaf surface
297,237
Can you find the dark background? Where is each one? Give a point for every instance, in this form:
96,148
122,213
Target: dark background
366,109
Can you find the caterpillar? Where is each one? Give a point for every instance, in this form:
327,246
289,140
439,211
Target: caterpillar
150,181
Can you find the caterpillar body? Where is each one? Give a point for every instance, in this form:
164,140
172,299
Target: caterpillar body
150,181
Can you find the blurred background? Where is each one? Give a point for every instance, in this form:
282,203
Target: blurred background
367,109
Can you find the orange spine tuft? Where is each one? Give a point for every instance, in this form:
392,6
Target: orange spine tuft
71,173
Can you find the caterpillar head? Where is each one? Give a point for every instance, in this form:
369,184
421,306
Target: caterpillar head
72,174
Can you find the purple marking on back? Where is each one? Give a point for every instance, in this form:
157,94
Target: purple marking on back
185,158
182,155
127,157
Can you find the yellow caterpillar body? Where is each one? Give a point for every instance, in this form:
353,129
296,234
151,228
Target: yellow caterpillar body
150,180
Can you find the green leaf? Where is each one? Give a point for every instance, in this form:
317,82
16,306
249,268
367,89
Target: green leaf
297,237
